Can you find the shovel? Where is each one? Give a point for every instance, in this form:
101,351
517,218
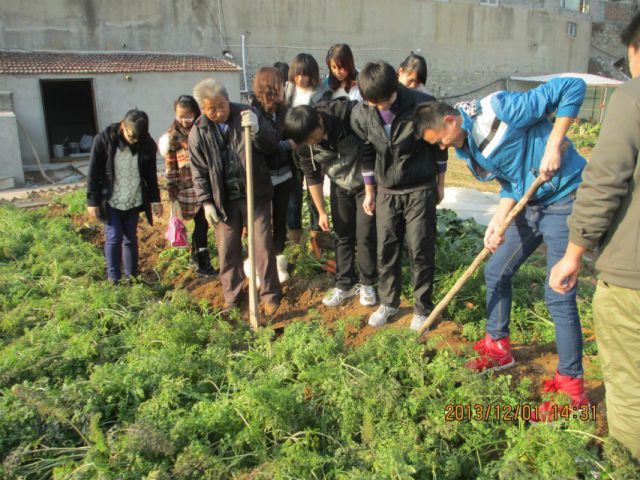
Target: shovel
513,213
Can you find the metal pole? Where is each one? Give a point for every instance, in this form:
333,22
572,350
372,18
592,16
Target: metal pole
253,291
244,65
604,100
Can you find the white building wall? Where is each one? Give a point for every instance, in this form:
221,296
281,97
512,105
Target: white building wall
153,92
10,162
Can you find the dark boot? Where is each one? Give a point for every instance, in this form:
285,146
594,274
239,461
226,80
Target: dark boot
203,260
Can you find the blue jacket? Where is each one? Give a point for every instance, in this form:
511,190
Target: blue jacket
507,133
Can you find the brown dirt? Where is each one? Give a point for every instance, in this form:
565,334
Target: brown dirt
302,301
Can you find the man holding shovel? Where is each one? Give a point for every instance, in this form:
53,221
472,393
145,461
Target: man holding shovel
218,166
607,216
508,136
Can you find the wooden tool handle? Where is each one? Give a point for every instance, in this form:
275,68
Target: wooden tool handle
253,291
484,253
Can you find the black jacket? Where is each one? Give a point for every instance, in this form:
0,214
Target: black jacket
282,158
337,156
207,158
401,161
102,171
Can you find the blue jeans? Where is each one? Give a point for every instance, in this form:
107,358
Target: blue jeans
121,242
533,226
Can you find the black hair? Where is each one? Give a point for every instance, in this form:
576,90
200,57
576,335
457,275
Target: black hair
300,122
430,115
378,81
137,124
415,63
342,55
187,101
284,69
631,33
304,64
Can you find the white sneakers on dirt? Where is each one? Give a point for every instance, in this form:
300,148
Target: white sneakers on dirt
417,321
336,296
381,315
245,267
368,296
283,273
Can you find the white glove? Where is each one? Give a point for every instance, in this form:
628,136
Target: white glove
163,144
250,119
211,215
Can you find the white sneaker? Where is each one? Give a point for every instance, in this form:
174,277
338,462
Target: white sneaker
336,296
245,267
381,315
283,273
367,293
417,321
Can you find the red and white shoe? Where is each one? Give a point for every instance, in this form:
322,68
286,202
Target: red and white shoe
562,384
494,355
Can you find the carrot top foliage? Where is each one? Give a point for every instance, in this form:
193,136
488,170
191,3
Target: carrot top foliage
107,382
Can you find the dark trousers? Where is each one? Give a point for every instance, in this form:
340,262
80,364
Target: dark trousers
121,242
200,230
356,238
229,241
410,216
294,213
279,214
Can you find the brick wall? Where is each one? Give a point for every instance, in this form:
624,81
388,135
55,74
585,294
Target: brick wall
619,12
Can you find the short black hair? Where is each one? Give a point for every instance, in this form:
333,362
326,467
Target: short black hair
430,115
377,81
187,101
304,64
415,63
284,69
631,33
300,122
137,124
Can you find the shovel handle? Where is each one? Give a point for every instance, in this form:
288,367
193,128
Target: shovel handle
484,253
253,290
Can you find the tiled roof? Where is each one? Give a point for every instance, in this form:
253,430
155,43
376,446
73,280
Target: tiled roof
30,63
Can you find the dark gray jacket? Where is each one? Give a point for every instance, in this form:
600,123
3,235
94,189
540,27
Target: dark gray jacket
337,156
606,213
207,158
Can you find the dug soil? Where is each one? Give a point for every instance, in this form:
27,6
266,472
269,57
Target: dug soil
302,301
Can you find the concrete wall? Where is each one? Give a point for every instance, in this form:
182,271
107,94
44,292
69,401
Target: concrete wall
10,163
151,92
467,44
11,173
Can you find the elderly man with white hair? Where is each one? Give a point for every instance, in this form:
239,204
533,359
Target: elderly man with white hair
217,151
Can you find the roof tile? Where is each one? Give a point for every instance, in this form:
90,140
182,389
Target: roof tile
27,63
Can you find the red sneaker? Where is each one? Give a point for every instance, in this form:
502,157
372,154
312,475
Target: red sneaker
562,384
494,355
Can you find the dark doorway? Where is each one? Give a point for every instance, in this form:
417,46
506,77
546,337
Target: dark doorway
69,113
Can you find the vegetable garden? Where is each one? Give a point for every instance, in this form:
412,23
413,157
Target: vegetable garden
152,381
